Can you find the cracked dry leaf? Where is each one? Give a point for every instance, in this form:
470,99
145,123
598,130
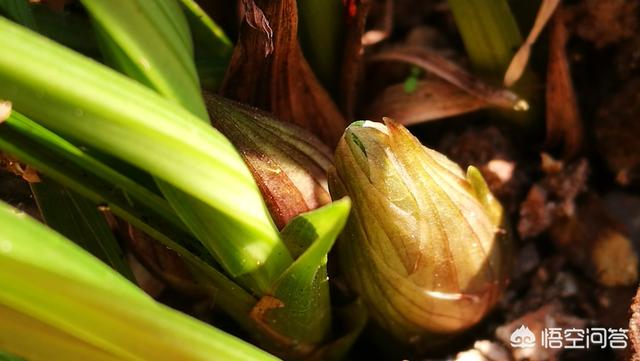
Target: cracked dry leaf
282,82
432,99
563,119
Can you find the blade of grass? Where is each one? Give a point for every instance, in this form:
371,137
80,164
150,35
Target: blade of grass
78,219
489,32
70,166
302,307
119,117
212,48
167,48
201,218
51,281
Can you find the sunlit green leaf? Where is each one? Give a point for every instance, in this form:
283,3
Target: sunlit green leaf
302,290
117,116
67,302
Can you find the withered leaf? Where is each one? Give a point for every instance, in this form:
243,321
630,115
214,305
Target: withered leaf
382,28
521,58
256,19
440,66
563,119
432,99
282,82
357,12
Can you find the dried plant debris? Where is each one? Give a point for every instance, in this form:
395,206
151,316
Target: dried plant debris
604,22
521,58
382,19
440,66
282,82
432,99
551,315
255,18
26,172
484,350
617,132
491,151
634,328
564,125
351,72
595,242
552,198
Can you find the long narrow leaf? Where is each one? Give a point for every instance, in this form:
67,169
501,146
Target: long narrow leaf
202,219
167,48
120,117
79,220
57,286
72,167
489,32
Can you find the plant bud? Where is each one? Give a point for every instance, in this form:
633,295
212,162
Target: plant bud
423,245
288,163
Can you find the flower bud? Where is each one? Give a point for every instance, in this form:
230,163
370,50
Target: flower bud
288,163
423,245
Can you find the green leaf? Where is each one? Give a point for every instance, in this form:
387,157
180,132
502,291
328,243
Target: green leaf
119,117
211,46
74,168
57,296
78,219
302,306
155,36
321,29
19,11
7,357
124,53
489,32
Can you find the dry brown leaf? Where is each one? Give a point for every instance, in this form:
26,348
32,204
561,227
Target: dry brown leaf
521,58
256,19
282,82
5,110
357,11
440,66
383,28
432,99
563,119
